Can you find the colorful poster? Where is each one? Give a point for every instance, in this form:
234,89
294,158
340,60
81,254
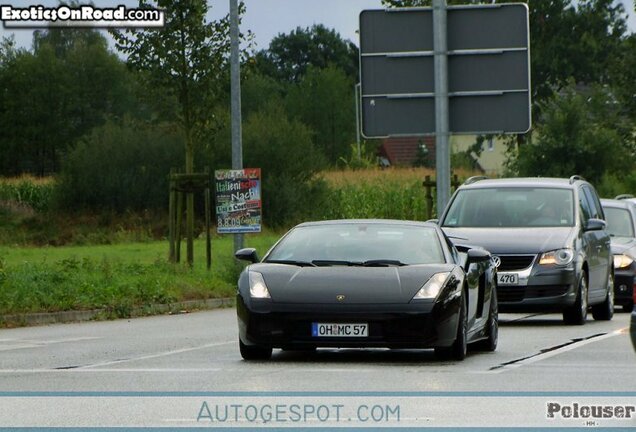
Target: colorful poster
238,200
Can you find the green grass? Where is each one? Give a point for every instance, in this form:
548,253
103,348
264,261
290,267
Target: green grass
117,278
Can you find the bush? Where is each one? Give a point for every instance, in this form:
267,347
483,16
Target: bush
120,167
283,149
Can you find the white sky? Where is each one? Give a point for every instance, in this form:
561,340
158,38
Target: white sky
267,18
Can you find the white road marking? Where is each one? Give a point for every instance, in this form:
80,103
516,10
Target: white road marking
556,352
108,370
157,355
16,344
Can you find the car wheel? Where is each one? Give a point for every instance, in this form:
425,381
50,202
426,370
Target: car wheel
577,313
628,307
605,310
492,327
458,349
254,352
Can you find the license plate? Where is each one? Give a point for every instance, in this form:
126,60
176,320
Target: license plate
507,278
339,330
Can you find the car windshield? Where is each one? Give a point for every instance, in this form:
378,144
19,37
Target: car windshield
511,207
358,244
619,222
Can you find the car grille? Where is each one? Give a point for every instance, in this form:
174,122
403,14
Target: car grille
515,262
511,294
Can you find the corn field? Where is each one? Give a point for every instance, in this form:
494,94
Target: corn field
28,191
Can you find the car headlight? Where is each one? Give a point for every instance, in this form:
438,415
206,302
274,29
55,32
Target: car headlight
258,289
431,289
622,261
557,257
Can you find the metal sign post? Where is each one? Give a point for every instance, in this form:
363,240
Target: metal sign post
235,76
442,151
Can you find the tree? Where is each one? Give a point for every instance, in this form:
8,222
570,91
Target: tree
290,55
55,94
188,58
283,148
323,100
582,132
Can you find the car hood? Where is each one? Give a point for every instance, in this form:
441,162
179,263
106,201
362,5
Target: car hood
512,240
623,244
359,285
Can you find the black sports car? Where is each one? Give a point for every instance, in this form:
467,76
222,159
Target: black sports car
367,283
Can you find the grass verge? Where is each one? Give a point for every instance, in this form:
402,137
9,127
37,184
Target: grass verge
115,278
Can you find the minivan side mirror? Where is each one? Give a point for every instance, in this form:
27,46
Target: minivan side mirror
478,255
595,225
247,254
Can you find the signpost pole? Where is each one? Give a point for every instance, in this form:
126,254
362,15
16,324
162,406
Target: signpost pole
356,92
235,76
442,147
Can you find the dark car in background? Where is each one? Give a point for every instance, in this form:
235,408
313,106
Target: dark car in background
620,216
548,235
366,283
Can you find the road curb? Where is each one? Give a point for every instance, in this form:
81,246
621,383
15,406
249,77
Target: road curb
44,318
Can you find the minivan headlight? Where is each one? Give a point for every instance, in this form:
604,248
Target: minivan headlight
622,261
432,287
258,289
557,257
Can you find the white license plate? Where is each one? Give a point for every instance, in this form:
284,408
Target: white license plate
339,330
507,278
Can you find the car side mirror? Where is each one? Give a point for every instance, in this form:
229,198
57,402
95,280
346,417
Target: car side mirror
247,254
478,255
595,225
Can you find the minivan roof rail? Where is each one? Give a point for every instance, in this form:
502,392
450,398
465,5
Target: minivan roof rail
474,179
575,178
624,196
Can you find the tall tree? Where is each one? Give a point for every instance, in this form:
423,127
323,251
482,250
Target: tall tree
581,131
55,94
290,55
188,58
323,100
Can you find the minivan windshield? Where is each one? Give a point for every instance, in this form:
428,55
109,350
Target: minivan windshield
619,222
511,207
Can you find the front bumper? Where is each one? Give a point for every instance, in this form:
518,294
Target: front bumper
540,289
624,285
420,325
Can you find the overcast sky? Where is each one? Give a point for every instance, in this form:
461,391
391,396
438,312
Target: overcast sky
267,18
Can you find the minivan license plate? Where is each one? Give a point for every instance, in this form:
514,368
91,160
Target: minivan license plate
339,330
507,278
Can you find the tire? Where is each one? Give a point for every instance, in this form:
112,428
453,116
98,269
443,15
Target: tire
459,348
254,352
629,307
577,313
492,327
605,310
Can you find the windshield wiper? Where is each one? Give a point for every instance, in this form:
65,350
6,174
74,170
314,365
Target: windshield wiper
383,263
336,262
291,262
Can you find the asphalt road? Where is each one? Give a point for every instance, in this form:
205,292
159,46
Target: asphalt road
199,352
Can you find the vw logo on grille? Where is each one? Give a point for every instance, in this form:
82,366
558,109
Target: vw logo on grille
340,297
496,260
